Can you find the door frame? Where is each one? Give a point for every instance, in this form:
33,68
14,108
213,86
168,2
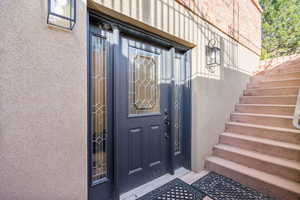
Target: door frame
124,28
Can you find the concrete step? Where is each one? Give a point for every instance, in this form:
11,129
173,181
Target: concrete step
282,121
286,67
267,132
270,164
266,183
289,68
270,84
266,146
276,91
274,77
286,99
265,109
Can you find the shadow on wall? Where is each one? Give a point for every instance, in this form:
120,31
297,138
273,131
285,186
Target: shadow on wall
229,52
212,102
175,19
202,33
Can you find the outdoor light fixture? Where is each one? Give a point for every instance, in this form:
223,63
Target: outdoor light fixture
62,13
213,55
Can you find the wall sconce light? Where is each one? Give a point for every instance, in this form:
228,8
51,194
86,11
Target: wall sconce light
62,13
213,56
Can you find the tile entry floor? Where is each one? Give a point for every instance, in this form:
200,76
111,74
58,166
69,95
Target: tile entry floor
181,173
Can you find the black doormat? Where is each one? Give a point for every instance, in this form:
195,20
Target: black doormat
219,187
174,190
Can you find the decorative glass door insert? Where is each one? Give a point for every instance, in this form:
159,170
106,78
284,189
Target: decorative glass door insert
144,90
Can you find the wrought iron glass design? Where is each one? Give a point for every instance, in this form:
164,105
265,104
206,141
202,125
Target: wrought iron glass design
179,80
144,89
99,112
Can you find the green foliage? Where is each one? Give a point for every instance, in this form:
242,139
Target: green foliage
280,28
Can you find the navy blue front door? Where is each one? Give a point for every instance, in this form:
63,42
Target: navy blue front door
144,114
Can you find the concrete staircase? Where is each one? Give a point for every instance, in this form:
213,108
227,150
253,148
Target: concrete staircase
260,146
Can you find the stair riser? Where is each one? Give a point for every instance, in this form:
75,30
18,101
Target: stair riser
270,92
265,133
276,110
268,100
274,77
274,84
279,151
268,167
262,120
252,182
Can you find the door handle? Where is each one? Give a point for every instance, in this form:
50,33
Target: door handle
167,135
166,118
167,122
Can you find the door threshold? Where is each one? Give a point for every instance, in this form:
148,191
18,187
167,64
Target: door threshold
147,187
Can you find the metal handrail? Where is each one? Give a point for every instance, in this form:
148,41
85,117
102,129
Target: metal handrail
297,112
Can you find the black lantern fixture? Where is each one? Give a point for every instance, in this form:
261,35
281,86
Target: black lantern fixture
213,55
62,13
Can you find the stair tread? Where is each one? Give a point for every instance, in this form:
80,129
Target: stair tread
273,88
271,96
263,141
262,176
267,105
281,80
264,115
271,74
265,127
260,156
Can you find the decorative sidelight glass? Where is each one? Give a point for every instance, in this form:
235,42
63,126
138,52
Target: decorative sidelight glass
62,13
179,81
144,89
99,109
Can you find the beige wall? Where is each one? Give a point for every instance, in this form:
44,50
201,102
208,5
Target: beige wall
42,104
213,99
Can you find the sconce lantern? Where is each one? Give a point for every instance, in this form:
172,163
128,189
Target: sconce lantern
62,13
213,55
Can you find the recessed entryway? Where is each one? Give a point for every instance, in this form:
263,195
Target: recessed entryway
139,107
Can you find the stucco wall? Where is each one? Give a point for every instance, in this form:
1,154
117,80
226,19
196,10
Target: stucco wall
213,99
42,104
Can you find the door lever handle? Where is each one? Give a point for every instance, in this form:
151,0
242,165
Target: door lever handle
166,135
167,122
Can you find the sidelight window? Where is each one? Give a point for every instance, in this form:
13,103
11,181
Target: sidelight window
99,109
179,81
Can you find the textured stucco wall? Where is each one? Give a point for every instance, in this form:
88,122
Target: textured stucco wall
42,104
213,99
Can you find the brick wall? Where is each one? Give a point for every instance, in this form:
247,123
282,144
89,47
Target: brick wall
240,19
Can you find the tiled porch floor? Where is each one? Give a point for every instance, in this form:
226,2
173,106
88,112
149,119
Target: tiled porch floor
185,175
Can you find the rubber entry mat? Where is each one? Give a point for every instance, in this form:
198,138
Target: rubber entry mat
174,190
219,187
